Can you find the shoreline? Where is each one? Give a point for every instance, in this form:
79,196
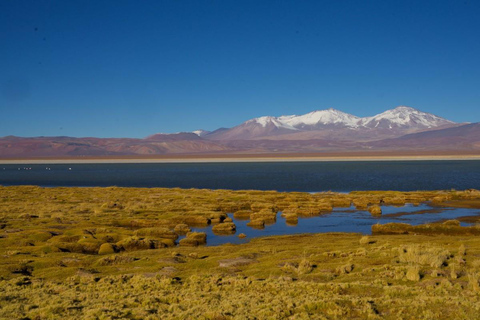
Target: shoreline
238,158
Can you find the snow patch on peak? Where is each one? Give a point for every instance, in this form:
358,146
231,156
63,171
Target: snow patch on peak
268,120
403,108
325,117
263,121
200,132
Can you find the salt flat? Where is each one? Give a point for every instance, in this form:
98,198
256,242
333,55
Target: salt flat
248,158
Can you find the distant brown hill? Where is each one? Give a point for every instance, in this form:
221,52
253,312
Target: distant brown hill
11,147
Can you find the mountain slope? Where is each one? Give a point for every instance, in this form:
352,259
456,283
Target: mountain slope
461,137
258,127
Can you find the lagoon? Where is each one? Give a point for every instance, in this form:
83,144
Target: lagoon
338,176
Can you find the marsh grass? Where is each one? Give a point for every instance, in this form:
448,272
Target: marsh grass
310,284
94,253
451,227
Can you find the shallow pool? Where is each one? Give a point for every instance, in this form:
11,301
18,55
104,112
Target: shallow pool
341,220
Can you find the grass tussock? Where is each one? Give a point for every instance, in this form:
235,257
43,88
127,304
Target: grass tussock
181,229
375,210
224,228
424,255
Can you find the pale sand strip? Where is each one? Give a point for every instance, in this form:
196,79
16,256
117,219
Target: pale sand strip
240,159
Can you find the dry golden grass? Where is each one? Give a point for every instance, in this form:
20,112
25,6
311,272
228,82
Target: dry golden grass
447,228
303,276
103,253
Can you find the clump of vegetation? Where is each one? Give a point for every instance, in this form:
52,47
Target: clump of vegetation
224,228
375,210
242,214
107,248
217,217
257,224
362,203
413,273
345,269
424,255
194,239
265,215
182,229
302,268
290,218
137,243
195,221
366,240
452,223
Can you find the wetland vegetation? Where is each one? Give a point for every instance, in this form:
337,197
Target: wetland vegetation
102,253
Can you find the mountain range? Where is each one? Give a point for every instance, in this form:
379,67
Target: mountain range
332,124
400,129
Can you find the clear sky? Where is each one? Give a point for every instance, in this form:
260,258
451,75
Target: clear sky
135,68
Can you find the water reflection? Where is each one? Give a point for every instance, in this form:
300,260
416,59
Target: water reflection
340,220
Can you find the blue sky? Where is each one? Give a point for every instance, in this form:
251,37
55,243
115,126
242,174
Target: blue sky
135,68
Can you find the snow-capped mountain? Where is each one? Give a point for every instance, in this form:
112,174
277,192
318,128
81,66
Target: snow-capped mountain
404,117
334,123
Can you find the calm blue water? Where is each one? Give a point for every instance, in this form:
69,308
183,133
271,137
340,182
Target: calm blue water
341,220
282,176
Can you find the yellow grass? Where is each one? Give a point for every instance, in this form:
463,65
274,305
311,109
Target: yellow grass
103,253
